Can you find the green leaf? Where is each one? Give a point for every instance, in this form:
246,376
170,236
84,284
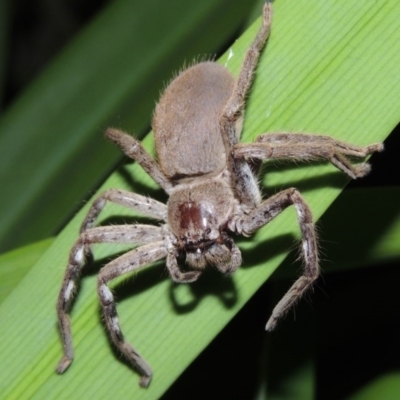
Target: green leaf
330,67
386,386
15,264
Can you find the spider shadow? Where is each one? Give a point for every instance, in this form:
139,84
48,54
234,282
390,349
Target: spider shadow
210,283
268,249
139,187
334,179
213,283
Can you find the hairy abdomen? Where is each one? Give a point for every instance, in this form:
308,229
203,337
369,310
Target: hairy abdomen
186,121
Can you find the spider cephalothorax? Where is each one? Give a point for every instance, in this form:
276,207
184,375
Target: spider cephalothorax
213,191
199,223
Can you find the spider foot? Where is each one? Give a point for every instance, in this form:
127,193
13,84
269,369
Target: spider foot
63,364
362,170
145,381
375,147
185,277
271,324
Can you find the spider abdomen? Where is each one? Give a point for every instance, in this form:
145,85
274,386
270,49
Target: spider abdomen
186,121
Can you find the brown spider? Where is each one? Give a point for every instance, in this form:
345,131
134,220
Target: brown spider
213,193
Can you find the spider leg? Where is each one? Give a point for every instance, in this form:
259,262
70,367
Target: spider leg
176,274
134,149
144,205
235,106
304,147
263,214
215,256
128,262
231,119
133,234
